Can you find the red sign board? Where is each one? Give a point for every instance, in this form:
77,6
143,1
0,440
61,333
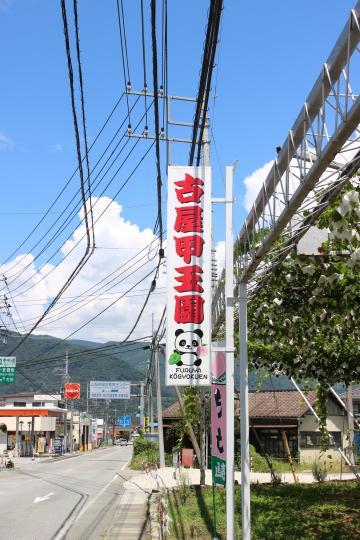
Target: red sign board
72,391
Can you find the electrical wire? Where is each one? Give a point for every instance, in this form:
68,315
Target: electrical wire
48,211
81,221
127,84
156,118
206,75
81,85
73,275
73,213
144,61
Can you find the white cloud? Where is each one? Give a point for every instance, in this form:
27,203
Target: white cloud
56,148
5,142
253,184
125,240
220,256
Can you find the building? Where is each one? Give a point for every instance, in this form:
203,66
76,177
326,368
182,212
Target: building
30,422
280,413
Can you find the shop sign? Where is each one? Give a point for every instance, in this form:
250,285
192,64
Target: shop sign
189,276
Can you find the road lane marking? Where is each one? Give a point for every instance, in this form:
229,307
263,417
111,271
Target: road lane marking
125,465
44,498
63,531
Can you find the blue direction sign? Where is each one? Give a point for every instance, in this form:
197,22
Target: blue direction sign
124,421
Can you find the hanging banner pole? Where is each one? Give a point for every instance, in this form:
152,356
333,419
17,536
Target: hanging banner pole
244,413
229,329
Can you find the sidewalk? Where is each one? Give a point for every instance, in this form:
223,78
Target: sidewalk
168,477
131,514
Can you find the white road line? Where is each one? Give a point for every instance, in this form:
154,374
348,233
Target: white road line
125,465
62,533
44,498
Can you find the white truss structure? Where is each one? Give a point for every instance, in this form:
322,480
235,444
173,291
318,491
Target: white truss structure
320,153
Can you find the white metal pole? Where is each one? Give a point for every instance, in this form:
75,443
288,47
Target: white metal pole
244,413
229,323
350,415
71,436
336,395
159,408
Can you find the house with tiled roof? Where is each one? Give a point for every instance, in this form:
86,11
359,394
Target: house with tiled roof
273,413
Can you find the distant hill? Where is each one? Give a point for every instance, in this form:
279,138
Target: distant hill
43,360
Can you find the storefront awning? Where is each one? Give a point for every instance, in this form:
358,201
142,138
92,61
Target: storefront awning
32,412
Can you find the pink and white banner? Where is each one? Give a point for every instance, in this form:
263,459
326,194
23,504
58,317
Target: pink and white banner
189,276
218,417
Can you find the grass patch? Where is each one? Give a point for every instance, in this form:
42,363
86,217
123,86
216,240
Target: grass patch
329,511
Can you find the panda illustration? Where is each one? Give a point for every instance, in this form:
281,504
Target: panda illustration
186,346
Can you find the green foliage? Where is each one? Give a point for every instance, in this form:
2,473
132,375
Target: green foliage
306,511
145,454
141,445
319,471
122,363
183,487
175,436
321,409
304,322
10,464
258,462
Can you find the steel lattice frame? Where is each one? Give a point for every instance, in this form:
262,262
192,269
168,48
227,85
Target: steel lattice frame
320,153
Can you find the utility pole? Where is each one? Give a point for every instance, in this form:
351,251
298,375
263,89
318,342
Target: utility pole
106,422
66,380
150,406
142,405
159,406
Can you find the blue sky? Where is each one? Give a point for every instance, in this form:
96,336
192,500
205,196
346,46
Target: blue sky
270,55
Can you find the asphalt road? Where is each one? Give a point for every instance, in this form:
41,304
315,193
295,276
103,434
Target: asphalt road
72,499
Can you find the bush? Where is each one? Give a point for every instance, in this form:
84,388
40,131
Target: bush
276,479
183,487
258,462
142,445
10,464
319,471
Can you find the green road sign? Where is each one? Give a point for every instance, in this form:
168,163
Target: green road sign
218,470
7,369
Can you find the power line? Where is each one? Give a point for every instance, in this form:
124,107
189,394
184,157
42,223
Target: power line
81,221
144,61
156,118
48,211
73,212
206,75
127,84
81,84
76,128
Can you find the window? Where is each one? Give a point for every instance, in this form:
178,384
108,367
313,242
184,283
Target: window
19,403
38,403
312,439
